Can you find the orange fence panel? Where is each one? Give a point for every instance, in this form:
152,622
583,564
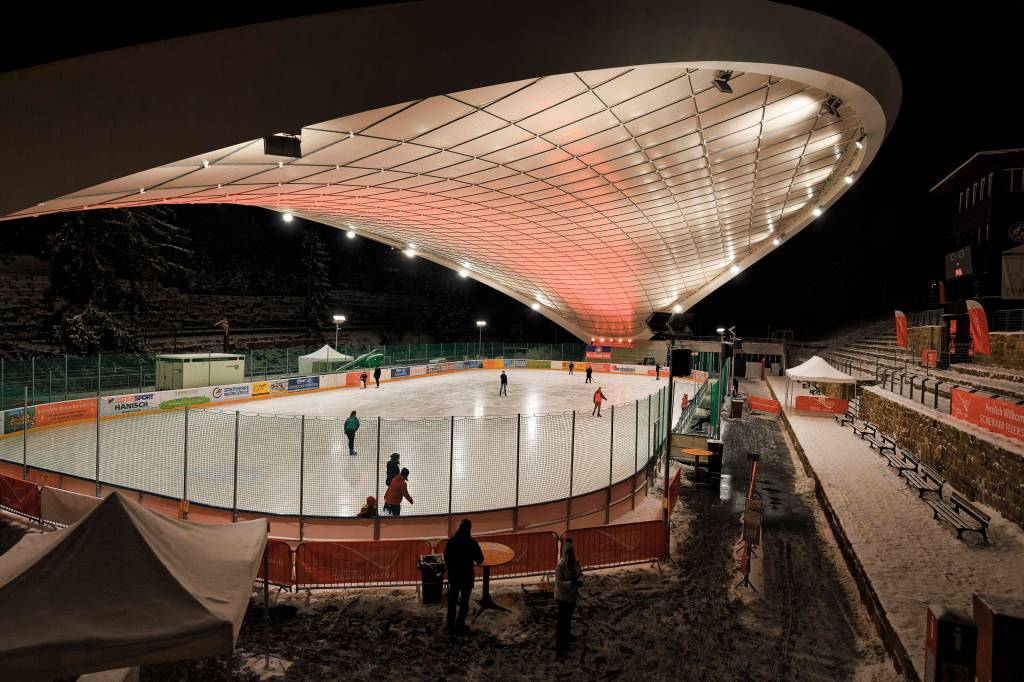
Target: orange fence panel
535,553
629,543
21,497
763,404
820,404
673,490
361,562
279,561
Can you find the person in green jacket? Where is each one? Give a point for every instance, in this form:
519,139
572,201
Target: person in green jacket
351,426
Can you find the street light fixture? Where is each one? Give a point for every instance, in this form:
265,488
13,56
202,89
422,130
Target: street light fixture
480,324
338,319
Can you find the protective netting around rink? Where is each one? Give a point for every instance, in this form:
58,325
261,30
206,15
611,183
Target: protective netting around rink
295,465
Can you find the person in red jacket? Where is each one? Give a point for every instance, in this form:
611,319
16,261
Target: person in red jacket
397,489
598,397
685,402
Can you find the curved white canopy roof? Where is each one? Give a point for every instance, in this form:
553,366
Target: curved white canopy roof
818,370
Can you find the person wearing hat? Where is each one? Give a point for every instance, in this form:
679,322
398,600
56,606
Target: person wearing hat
568,579
460,553
393,468
397,491
369,510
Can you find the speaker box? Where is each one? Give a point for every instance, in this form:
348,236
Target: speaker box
681,362
282,145
658,322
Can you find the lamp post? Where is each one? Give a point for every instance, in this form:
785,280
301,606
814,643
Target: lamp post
480,324
338,319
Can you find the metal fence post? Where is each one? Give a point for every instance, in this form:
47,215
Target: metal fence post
65,377
636,453
572,462
33,380
611,469
376,487
451,468
98,489
24,437
302,471
99,372
142,377
184,483
3,383
515,507
234,479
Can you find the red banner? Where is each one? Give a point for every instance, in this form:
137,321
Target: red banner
628,543
279,561
901,329
536,553
820,404
20,496
358,562
997,416
65,412
763,404
979,328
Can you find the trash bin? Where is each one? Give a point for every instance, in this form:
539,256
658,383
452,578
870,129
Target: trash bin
432,570
716,448
737,408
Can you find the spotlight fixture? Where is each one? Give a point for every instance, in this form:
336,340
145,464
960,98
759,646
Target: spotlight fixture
776,241
816,212
677,308
463,274
720,330
832,104
535,306
410,252
860,141
721,81
287,217
848,179
350,234
735,269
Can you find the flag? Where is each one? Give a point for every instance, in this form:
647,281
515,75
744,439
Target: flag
901,329
979,328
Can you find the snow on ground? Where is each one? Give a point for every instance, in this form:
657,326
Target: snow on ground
910,559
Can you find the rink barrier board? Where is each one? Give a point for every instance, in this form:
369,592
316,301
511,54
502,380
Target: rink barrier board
340,379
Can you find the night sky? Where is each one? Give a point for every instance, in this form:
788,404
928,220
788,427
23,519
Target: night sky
877,248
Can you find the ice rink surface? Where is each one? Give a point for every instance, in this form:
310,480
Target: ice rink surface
471,393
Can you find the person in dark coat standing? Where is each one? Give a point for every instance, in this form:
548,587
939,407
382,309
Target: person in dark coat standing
351,426
657,372
393,468
572,366
504,384
461,552
363,377
376,376
735,387
568,579
590,374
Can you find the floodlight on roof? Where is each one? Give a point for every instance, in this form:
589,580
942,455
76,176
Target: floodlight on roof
816,212
677,308
463,274
287,217
721,81
410,252
720,330
351,234
848,179
535,306
776,241
735,269
860,141
832,104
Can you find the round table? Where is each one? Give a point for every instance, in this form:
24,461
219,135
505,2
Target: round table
495,554
698,455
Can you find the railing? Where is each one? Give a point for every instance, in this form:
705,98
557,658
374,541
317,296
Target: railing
1008,320
299,466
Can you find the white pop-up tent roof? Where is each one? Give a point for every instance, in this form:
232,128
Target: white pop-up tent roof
324,354
121,587
817,370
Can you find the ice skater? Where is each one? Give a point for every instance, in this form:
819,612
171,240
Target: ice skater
393,468
598,397
376,375
460,553
504,384
363,378
398,490
568,580
351,426
657,372
572,366
590,374
369,510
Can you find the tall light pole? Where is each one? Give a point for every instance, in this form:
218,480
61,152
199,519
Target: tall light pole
480,324
338,319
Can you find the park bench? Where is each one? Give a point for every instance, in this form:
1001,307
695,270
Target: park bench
881,441
901,460
953,514
925,479
864,429
845,418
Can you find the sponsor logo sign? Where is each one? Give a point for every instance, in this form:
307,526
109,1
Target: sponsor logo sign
352,378
303,383
997,416
14,421
599,352
433,369
820,404
494,364
186,397
126,404
515,363
279,386
418,370
601,366
232,392
763,404
260,388
629,369
399,372
64,412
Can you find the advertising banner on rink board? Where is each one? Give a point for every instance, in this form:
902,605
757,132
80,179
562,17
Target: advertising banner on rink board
260,388
352,378
279,386
13,420
231,392
515,362
399,372
65,412
631,369
997,416
600,366
418,371
598,353
820,404
127,404
304,383
494,364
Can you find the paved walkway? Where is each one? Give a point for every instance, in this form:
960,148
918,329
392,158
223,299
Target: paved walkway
910,559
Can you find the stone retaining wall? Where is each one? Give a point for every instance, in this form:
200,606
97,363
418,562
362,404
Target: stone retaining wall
974,464
1007,351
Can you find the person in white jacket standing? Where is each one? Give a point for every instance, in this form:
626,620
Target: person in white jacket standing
568,579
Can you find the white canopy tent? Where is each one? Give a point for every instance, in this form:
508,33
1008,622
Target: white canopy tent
124,586
324,359
815,370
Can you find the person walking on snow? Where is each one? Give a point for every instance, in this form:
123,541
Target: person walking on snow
393,468
376,375
351,426
685,402
735,387
568,580
572,366
504,384
598,397
398,490
363,378
590,374
460,553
